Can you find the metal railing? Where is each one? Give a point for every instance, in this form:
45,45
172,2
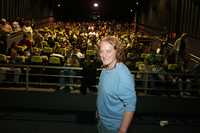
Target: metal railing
54,78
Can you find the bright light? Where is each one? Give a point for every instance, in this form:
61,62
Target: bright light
58,5
96,5
158,50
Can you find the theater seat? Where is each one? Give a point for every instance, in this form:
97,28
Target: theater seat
36,59
36,50
3,58
141,67
47,50
63,51
21,48
53,60
138,63
172,66
90,52
144,55
21,59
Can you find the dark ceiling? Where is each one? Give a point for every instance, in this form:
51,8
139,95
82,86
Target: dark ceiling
107,8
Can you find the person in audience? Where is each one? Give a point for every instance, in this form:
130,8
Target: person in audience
116,98
72,61
180,48
5,26
25,42
38,39
27,29
89,74
79,54
12,52
16,26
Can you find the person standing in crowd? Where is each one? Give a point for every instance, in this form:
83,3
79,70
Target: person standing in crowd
89,73
116,98
27,29
180,48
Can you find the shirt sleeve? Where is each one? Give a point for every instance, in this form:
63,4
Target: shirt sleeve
126,91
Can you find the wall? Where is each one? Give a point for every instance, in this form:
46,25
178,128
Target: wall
11,9
173,15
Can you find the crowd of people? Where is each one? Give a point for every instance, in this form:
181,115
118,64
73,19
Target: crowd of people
74,44
67,39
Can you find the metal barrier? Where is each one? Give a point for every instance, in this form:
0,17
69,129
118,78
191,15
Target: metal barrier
54,78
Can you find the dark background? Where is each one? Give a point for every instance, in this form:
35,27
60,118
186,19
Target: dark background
40,112
167,15
84,8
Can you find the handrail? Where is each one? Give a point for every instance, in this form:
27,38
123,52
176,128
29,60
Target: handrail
196,57
41,66
80,68
146,82
193,57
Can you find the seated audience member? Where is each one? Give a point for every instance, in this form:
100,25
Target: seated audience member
37,39
12,52
5,26
25,42
16,26
79,54
13,72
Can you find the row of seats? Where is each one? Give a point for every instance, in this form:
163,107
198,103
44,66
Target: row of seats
35,59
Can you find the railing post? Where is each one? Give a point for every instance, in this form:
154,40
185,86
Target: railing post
146,82
27,77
